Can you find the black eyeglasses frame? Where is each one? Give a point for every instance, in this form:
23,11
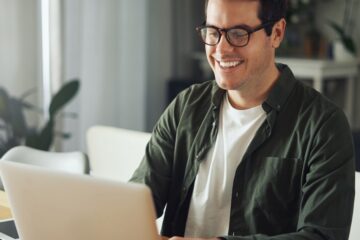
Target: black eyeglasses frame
247,29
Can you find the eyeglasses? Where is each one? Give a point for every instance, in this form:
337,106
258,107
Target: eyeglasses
238,36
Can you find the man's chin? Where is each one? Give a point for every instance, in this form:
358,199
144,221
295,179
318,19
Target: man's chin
227,84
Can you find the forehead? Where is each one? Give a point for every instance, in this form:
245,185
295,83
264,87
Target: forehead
227,13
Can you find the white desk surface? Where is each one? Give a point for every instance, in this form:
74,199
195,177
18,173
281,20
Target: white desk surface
324,68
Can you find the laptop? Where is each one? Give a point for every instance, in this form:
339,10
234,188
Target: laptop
49,204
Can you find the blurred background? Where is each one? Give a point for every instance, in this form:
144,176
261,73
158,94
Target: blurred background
131,57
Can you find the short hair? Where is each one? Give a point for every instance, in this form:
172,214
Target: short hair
269,10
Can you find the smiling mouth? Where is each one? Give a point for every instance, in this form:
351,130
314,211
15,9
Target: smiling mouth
229,64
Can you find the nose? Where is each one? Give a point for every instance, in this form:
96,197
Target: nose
224,43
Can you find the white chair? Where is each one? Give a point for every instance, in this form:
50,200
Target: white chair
73,162
115,153
355,225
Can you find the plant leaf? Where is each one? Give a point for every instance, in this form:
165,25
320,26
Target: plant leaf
42,140
17,118
6,145
64,95
346,40
11,113
4,109
337,28
349,45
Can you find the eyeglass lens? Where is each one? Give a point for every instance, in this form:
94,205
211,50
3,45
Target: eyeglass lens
236,36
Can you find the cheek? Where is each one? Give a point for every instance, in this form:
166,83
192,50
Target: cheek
258,52
259,59
209,51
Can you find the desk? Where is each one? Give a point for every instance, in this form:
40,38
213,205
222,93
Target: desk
320,70
5,211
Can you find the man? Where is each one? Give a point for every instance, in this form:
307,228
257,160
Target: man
255,154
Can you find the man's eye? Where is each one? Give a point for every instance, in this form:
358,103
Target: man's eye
212,34
238,34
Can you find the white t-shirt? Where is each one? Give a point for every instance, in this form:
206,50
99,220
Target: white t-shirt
209,210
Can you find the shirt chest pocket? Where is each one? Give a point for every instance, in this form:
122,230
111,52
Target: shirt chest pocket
277,184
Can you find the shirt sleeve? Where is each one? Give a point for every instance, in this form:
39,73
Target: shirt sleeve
156,166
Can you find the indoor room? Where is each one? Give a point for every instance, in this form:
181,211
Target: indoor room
104,85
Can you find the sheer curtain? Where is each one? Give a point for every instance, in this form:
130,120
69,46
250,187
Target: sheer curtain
105,46
121,50
19,50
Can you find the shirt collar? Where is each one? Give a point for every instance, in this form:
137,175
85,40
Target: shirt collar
217,94
281,90
277,95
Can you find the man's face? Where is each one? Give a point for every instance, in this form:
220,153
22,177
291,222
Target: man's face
239,68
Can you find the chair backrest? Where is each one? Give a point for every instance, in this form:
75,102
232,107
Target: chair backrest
355,225
115,153
73,162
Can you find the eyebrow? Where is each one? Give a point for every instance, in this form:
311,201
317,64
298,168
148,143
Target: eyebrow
243,26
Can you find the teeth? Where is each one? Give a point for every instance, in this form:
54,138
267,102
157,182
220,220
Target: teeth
229,64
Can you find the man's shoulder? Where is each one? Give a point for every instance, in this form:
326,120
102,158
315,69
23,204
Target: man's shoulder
199,92
195,100
315,105
317,99
201,86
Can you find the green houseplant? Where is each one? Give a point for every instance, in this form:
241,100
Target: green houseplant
345,29
13,127
346,40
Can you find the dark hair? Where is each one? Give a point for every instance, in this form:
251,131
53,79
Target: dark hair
269,10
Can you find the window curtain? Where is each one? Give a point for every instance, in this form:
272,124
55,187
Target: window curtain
19,51
105,47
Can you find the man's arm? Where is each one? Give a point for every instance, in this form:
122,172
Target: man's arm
156,166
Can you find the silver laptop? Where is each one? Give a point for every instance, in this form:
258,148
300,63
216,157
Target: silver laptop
53,205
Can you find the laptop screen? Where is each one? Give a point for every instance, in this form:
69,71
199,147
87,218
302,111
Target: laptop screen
49,204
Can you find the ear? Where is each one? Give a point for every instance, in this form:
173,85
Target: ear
278,33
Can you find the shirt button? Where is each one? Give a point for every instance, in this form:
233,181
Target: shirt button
237,194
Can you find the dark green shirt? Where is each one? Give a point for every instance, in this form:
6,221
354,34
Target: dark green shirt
295,181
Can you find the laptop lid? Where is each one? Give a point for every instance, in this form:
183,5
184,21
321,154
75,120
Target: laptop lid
48,204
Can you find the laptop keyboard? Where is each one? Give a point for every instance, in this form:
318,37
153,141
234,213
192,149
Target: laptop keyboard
8,230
